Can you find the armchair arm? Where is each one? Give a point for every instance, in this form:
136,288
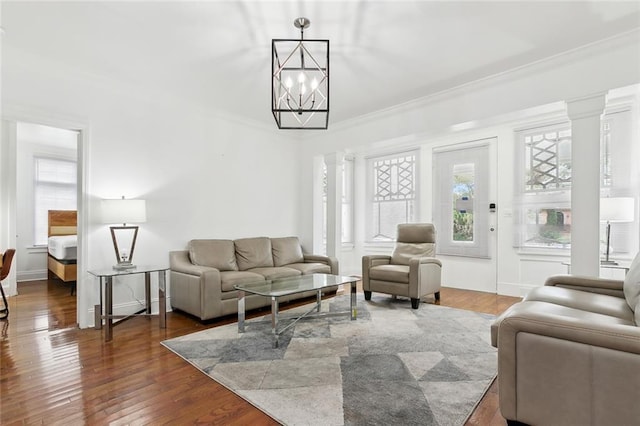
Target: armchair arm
367,263
590,284
327,260
424,276
375,260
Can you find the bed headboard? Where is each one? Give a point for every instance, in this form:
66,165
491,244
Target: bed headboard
62,222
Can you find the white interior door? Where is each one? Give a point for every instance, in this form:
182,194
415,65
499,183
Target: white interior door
464,214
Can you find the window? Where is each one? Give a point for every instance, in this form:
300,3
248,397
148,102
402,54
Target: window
347,202
54,189
545,193
392,194
461,199
546,197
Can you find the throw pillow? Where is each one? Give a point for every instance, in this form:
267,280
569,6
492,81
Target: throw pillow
219,254
631,285
253,253
403,252
286,250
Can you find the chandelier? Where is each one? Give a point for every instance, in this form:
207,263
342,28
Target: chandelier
300,89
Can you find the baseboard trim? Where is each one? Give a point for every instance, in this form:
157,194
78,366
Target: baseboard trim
514,289
31,275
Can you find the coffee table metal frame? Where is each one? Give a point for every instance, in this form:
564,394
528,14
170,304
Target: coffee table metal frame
277,288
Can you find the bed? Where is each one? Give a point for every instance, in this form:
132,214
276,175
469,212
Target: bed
62,245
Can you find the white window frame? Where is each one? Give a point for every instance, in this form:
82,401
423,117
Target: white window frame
411,214
40,208
560,198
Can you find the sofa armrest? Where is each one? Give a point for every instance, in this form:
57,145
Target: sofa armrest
526,317
590,284
179,262
543,357
327,260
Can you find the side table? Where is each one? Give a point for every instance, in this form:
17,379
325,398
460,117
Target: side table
106,281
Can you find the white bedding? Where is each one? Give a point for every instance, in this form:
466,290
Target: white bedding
63,247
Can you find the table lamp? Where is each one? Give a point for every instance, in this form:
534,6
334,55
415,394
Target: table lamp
615,210
124,211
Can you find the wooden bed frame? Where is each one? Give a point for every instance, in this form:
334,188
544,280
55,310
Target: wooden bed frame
62,222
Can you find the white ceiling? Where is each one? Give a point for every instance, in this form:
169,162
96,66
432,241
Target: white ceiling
383,53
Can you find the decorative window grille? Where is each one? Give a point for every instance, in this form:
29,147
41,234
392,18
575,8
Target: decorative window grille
393,197
546,195
548,160
605,151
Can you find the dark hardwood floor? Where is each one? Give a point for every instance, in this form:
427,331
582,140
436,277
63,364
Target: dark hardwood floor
51,372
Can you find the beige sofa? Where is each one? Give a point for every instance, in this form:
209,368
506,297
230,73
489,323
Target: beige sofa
203,277
569,353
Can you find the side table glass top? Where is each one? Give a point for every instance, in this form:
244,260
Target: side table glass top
110,272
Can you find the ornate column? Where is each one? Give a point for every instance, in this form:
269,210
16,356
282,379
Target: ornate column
585,114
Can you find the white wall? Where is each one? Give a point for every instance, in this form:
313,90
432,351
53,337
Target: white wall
493,107
203,175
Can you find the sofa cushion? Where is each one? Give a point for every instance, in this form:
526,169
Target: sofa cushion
631,286
404,252
582,300
273,273
286,250
230,278
219,254
311,268
253,253
395,273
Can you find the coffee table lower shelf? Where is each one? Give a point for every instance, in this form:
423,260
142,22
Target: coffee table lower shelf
275,311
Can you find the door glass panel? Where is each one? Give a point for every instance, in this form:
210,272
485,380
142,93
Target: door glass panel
463,183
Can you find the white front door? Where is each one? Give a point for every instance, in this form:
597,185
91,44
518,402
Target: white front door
464,214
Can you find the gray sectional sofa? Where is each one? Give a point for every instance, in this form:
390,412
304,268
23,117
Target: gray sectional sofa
204,275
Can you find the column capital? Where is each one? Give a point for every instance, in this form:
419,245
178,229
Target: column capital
336,158
586,106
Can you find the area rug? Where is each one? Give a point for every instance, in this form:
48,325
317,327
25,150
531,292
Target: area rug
393,365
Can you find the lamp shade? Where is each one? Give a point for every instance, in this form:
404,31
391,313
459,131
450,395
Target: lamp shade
617,209
124,211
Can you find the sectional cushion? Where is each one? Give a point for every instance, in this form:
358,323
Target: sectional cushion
276,272
631,284
219,254
253,253
229,279
311,268
404,252
286,250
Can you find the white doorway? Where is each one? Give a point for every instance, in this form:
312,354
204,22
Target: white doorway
22,142
464,214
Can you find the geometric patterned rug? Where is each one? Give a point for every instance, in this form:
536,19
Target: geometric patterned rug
393,365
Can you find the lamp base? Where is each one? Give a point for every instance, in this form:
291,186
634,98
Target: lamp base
124,266
608,262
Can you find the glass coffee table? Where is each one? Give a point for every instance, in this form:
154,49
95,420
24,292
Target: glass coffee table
277,288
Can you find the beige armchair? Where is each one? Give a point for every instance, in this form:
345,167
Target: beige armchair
411,271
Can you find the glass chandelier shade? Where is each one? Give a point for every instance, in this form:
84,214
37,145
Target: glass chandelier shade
300,81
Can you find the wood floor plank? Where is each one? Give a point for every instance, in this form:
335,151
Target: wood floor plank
51,372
